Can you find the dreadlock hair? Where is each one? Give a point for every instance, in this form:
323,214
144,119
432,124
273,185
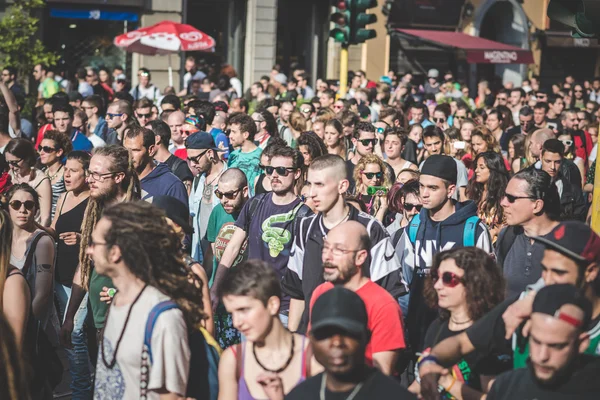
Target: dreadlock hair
13,384
151,249
130,185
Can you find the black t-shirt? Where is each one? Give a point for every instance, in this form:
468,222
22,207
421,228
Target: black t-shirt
473,365
487,333
376,386
521,384
179,168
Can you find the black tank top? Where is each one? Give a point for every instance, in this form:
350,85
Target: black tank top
68,256
259,188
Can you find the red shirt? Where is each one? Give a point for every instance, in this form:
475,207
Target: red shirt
580,150
181,153
385,317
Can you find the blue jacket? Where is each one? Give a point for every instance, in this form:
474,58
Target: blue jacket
162,182
80,142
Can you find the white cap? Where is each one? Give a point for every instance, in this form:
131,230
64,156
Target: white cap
433,73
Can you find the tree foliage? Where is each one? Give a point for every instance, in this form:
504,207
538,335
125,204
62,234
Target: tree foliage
19,46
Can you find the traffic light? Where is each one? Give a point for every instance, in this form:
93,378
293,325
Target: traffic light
341,20
581,15
359,19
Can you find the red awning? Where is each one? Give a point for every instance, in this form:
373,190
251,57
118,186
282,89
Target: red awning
477,49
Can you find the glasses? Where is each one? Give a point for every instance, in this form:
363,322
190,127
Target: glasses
439,120
380,131
16,205
196,159
336,251
143,74
366,142
409,207
147,116
14,163
307,110
228,195
48,149
511,199
281,171
337,107
459,117
567,142
371,175
502,98
448,279
111,115
98,177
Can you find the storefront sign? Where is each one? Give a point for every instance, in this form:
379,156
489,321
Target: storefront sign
94,14
500,57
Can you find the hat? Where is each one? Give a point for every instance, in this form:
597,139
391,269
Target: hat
385,79
176,211
121,77
340,308
433,73
196,121
75,96
281,78
363,111
440,166
550,299
221,106
575,240
200,141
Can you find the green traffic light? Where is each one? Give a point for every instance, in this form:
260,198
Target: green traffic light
362,5
362,35
338,35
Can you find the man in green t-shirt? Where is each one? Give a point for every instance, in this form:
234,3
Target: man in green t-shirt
246,157
47,85
232,191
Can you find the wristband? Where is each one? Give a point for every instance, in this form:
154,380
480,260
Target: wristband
428,359
447,390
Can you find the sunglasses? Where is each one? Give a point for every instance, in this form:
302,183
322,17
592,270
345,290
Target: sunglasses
47,149
197,158
380,131
567,142
143,74
459,117
111,115
448,279
409,207
439,120
16,205
281,171
307,110
371,175
14,163
511,199
227,195
501,98
366,142
143,115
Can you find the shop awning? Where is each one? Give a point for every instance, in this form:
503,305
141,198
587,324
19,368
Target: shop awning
478,50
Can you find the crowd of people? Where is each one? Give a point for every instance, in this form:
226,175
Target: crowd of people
399,241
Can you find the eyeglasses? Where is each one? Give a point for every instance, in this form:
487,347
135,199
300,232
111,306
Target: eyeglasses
307,110
98,177
449,279
380,131
409,207
439,120
14,163
371,175
336,251
48,149
337,107
281,171
567,142
366,142
228,195
16,205
197,158
111,115
511,199
147,116
143,74
459,117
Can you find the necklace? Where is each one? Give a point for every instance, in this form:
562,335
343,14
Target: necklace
51,177
460,323
342,220
350,396
207,192
276,371
110,365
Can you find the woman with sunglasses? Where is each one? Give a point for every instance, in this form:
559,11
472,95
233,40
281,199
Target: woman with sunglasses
566,137
407,201
464,284
53,148
32,252
486,189
334,138
370,172
22,157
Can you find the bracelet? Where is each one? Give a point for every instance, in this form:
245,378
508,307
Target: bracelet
452,384
428,358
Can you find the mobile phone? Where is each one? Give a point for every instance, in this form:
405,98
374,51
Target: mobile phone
460,145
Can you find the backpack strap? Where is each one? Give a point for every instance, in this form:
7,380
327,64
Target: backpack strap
413,228
470,230
30,250
152,318
252,207
506,238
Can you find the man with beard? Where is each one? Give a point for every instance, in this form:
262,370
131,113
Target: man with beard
118,118
112,180
156,178
557,369
345,250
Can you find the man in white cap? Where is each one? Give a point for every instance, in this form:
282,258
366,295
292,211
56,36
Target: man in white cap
432,85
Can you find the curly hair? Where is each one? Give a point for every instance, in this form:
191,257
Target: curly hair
61,141
486,135
130,186
315,145
362,164
152,251
496,185
483,281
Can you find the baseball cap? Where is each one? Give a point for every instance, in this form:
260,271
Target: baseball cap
176,211
281,78
200,141
433,73
340,308
363,111
221,106
440,166
550,299
575,240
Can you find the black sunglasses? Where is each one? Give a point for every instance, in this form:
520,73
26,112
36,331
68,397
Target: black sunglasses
14,163
228,195
511,199
366,142
409,207
197,158
16,205
371,175
281,171
442,120
143,115
48,149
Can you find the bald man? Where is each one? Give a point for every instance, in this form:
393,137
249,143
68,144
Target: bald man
345,251
568,168
175,122
327,183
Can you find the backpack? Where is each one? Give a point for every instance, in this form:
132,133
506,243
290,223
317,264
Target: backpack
470,229
506,238
203,377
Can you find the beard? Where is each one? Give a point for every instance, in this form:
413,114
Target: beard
340,275
106,195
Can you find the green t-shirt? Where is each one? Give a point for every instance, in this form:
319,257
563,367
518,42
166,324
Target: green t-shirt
248,163
99,308
49,88
219,231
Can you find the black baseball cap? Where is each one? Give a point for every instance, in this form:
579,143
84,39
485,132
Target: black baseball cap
340,308
176,211
550,299
200,141
440,166
574,240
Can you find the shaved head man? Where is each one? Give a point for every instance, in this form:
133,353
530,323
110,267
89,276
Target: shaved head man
233,190
175,122
537,141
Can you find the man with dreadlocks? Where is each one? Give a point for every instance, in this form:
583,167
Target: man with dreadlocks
135,246
112,180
